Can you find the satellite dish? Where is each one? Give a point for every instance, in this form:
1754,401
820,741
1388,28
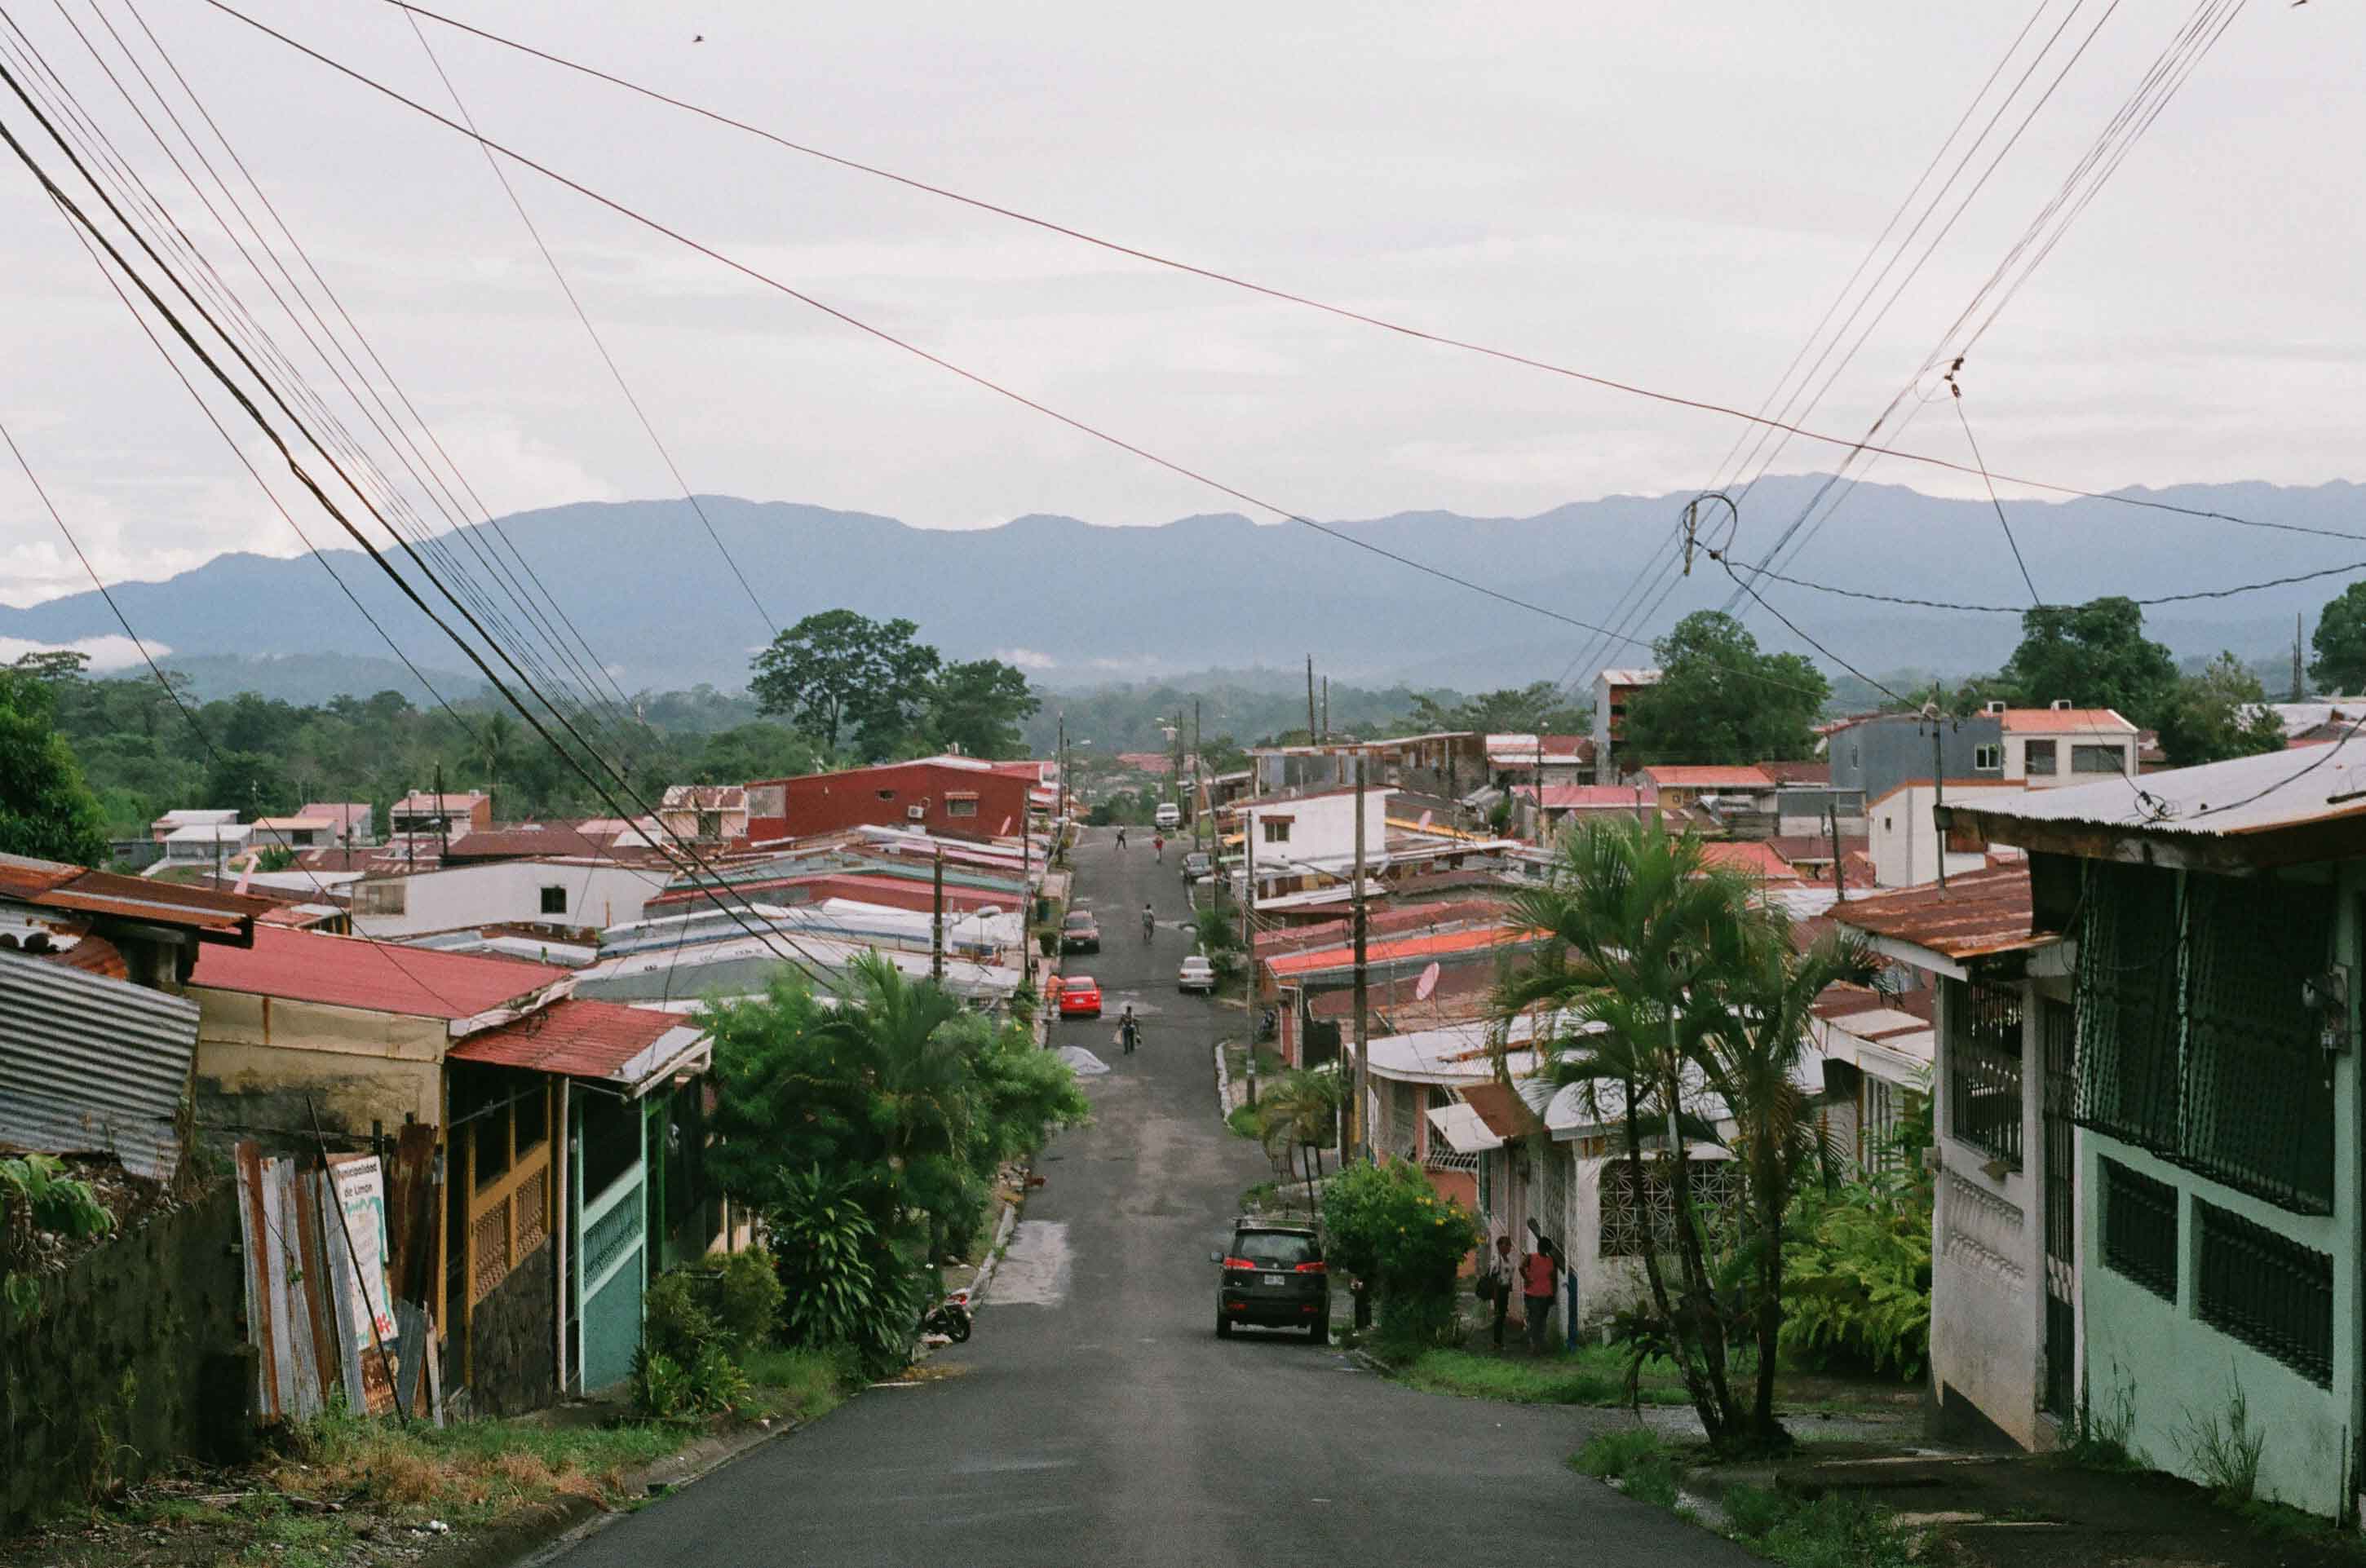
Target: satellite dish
1425,817
1427,983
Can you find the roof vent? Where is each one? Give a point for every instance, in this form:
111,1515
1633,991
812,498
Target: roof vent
2061,705
1996,707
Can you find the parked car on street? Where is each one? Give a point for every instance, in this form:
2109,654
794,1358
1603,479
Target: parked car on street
1169,815
1196,865
1197,974
1274,1277
1080,932
1080,997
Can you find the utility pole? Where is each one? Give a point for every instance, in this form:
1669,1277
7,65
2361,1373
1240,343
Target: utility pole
1311,730
442,822
1832,827
937,922
1199,774
1362,1141
2299,692
1248,948
1060,824
1938,791
1326,710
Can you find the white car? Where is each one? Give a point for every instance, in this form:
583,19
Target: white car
1198,974
1168,816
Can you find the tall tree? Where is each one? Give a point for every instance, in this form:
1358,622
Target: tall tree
1540,708
2095,655
1720,699
2221,713
2339,642
46,810
979,706
838,673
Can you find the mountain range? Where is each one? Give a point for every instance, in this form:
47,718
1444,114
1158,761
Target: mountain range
1078,604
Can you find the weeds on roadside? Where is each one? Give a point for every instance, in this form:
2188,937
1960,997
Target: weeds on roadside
1840,1532
2098,1440
2226,1449
1636,1461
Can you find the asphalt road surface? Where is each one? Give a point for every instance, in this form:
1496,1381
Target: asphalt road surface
1095,1417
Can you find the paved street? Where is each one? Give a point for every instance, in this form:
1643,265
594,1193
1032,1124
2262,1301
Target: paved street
1098,1419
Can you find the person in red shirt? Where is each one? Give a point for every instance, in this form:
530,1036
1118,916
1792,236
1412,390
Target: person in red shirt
1539,1282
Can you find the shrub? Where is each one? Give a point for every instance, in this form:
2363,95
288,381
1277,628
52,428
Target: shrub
1387,1225
1610,1455
661,1388
675,1322
1858,1290
747,1300
846,1284
1752,1511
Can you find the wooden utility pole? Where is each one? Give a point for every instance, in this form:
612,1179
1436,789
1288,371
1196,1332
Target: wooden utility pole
1326,710
1311,730
1938,791
1832,827
1060,822
2299,690
937,921
442,822
1362,1140
1198,776
1248,949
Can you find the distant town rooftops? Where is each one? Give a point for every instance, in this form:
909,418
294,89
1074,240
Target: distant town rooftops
353,814
704,798
1818,771
1756,860
1708,778
1589,797
194,817
426,802
51,884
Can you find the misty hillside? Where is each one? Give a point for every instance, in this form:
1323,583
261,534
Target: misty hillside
1077,604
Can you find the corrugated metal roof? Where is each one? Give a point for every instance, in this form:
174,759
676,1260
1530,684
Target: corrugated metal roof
1399,949
2250,794
1591,798
349,971
1974,915
2064,720
1709,777
54,886
1753,859
580,1038
89,1063
1631,677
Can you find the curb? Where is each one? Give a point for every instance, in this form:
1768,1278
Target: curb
1010,1222
1224,1085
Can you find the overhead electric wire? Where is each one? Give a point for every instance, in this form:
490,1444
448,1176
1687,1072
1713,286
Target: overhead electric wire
1118,247
2235,591
196,728
126,182
606,358
2030,583
399,440
246,403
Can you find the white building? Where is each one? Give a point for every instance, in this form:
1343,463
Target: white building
1290,837
577,893
172,823
1612,688
207,844
2048,748
1903,835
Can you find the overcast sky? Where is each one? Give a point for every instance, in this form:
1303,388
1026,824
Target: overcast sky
1667,195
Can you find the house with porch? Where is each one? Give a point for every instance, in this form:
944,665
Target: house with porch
2209,921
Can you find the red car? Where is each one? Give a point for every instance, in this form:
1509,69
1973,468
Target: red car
1080,997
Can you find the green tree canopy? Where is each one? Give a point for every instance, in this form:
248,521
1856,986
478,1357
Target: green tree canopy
979,706
2219,713
759,750
2339,642
840,675
46,810
2094,654
1722,699
1540,708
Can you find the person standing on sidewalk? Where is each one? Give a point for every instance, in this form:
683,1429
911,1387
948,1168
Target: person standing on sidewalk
1539,1282
1499,1284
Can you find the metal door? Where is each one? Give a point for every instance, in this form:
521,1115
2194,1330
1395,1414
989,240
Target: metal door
2059,1024
611,1245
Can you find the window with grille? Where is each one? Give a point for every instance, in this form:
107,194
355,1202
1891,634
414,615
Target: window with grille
2268,1290
2194,1038
1984,1051
1880,1124
2037,756
960,805
2140,1228
2097,759
1630,1222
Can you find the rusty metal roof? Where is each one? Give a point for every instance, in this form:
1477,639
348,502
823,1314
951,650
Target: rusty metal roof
1975,915
54,885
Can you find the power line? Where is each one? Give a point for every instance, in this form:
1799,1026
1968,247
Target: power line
2235,591
322,497
594,333
2030,583
1139,254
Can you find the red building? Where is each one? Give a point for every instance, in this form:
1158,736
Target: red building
957,795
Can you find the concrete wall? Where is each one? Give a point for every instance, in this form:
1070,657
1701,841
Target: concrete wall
1322,829
2156,1360
463,897
261,1060
1903,839
135,1361
514,1340
1879,754
882,797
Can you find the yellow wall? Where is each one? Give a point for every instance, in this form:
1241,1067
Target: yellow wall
356,1067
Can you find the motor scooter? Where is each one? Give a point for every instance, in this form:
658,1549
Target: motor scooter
949,1317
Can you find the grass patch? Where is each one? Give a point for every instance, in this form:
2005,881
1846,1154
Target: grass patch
799,1385
1638,1460
1837,1532
1591,1374
469,1472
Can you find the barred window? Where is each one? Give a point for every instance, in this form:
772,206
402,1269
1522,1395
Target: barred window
2220,1071
1984,1047
2140,1228
2268,1290
2097,759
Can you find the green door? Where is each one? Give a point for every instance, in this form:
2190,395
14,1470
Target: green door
610,1239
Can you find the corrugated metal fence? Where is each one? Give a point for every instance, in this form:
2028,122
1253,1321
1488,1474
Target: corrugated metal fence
89,1064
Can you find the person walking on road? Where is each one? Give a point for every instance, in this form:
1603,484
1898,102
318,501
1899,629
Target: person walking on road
1129,1030
1539,1282
1498,1284
1159,844
1120,838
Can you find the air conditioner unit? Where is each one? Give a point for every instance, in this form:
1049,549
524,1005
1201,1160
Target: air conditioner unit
1996,707
916,813
2061,705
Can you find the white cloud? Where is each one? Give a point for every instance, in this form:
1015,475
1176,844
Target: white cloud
107,653
1026,658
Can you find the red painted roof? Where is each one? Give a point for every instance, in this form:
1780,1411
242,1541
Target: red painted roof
1818,771
1379,922
1438,945
1710,777
1590,797
373,976
576,1038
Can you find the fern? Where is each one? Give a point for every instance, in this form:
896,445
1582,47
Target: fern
1857,1293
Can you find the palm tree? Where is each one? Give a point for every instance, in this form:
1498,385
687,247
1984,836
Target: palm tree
1301,1112
919,1073
498,736
1675,1002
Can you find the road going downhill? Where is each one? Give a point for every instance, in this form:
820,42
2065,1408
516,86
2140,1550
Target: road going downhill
1098,1419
